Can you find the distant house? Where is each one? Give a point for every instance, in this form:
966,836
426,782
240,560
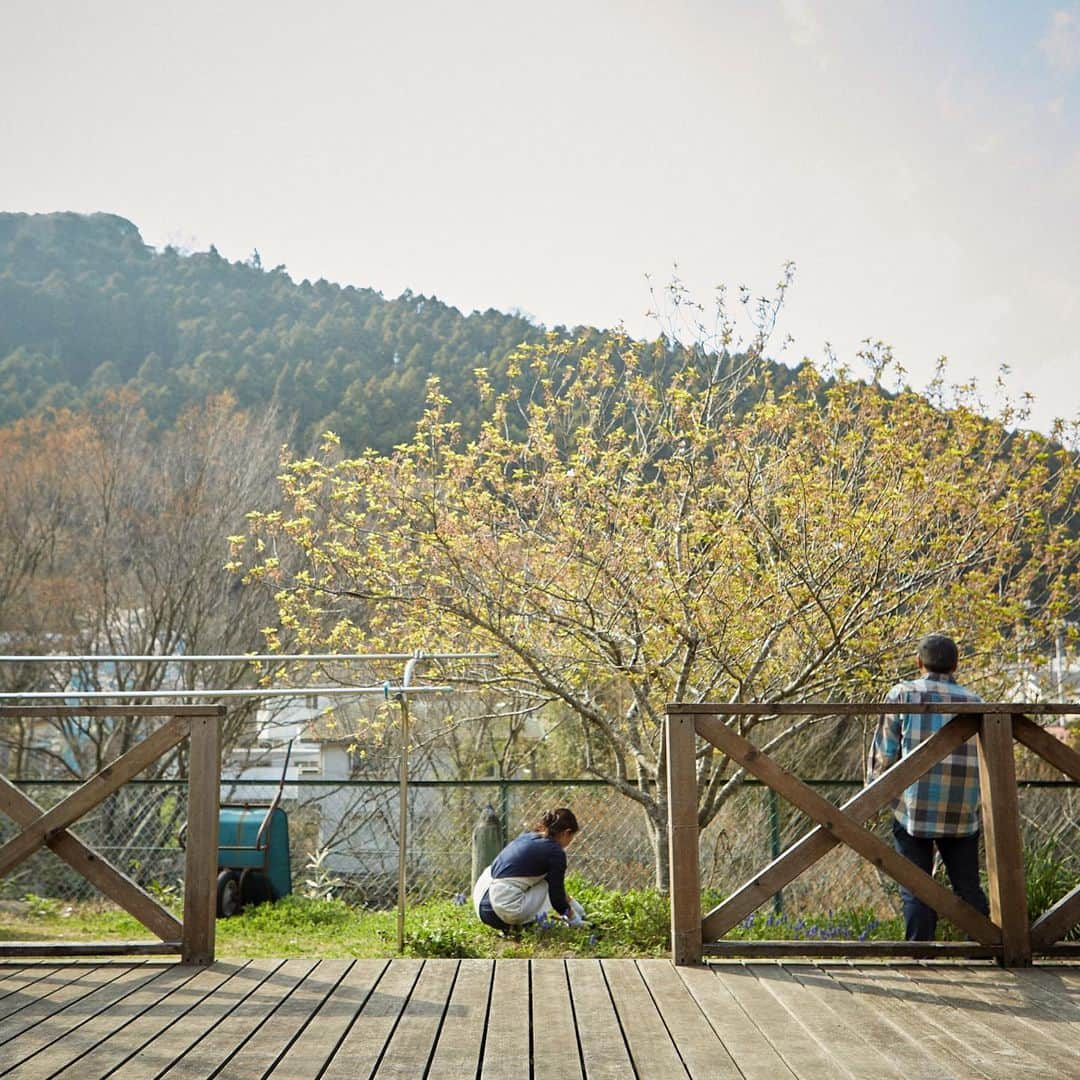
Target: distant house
288,730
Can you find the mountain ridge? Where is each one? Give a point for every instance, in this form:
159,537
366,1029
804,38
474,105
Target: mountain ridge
87,307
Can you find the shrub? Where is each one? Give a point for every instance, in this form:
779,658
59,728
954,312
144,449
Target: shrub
1050,873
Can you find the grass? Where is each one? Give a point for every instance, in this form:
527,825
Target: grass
629,923
621,923
626,924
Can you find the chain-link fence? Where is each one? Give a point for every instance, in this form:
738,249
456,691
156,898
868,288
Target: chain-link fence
354,824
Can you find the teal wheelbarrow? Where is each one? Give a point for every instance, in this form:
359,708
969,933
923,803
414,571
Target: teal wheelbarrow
253,852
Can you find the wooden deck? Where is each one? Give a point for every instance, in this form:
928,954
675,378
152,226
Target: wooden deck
590,1018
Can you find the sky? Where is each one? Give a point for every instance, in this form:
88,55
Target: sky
919,163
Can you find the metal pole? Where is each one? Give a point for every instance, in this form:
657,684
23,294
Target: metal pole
75,696
403,806
1059,656
774,842
403,820
224,658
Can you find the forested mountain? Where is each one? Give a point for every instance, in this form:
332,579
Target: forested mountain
86,306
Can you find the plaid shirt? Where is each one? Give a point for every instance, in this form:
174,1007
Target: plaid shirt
945,801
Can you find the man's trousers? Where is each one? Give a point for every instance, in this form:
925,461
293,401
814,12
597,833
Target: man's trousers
960,854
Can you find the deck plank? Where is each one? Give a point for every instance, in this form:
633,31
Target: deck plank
256,1056
921,1048
746,1044
51,1018
603,1047
316,1043
100,1042
995,1026
811,1001
556,1053
221,1042
703,1054
802,1054
1010,991
103,1045
14,979
922,1011
457,1052
171,1043
651,1048
578,1018
413,1042
874,1018
507,1045
358,1053
49,985
1051,987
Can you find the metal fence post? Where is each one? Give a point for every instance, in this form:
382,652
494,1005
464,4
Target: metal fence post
774,845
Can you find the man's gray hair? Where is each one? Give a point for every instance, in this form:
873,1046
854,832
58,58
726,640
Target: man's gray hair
938,653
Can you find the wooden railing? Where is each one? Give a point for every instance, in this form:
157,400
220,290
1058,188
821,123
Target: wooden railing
194,938
1006,935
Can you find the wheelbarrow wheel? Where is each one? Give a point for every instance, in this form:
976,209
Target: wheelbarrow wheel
255,887
228,894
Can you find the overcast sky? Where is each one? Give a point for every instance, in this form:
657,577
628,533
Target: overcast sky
919,162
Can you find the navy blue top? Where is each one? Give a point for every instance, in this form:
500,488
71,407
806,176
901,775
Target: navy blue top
534,855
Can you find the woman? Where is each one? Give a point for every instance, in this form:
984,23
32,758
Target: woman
526,878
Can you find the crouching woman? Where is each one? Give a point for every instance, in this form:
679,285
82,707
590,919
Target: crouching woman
527,877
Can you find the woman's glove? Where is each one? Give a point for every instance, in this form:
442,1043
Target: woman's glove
577,914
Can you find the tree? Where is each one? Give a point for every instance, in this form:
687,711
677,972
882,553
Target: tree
113,542
624,535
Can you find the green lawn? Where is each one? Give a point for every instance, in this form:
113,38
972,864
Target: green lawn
630,923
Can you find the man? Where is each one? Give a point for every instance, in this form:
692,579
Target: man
942,807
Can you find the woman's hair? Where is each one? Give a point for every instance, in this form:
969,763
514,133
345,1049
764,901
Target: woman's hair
553,822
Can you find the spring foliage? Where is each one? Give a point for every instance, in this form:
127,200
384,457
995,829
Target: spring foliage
623,540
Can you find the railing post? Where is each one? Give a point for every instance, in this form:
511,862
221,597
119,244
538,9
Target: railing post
1001,831
201,861
684,873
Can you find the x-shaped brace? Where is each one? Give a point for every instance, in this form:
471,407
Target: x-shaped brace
42,827
843,825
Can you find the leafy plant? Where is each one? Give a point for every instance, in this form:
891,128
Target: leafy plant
43,907
321,882
1050,871
440,941
168,894
856,924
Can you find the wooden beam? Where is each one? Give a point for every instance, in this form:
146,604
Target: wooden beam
683,849
1048,747
872,708
89,948
98,871
1052,925
88,795
871,847
1070,949
1001,834
806,851
201,863
16,712
921,950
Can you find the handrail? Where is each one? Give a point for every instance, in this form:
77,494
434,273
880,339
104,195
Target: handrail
223,658
386,690
194,937
1006,935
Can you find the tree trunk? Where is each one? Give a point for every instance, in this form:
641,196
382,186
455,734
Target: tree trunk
656,820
